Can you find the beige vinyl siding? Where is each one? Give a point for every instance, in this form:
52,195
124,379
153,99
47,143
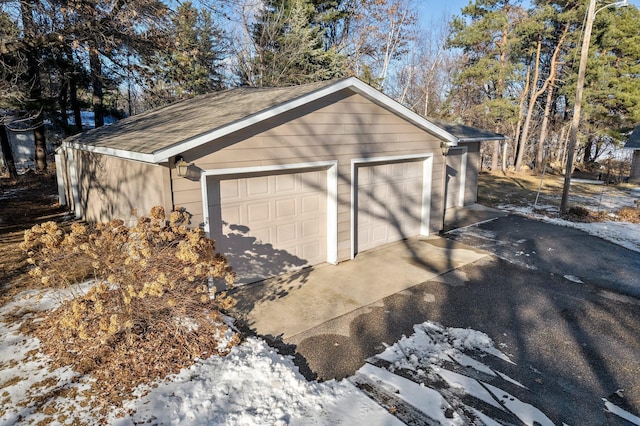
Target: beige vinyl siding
342,127
635,167
115,188
473,168
66,178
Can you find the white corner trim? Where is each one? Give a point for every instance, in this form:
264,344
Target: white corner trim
75,190
205,204
332,213
427,172
332,194
427,188
62,198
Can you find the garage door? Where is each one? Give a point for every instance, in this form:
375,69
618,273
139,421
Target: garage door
389,203
455,178
269,225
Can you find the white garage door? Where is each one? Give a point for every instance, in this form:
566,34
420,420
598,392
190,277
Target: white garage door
389,203
269,225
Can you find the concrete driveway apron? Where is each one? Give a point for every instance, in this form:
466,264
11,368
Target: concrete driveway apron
286,306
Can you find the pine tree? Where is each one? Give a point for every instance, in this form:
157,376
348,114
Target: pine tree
289,47
192,64
485,89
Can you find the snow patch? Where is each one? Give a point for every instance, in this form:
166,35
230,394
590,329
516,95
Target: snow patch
614,409
425,399
574,279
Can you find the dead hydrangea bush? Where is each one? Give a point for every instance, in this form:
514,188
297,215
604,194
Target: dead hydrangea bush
153,308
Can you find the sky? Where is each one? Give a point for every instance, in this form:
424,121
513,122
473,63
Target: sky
430,9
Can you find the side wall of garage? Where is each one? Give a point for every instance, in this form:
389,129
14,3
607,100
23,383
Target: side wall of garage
341,127
473,168
634,177
110,187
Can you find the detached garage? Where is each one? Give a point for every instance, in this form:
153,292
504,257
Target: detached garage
280,178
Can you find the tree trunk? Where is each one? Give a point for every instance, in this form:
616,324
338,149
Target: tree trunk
35,89
564,137
522,146
495,156
63,97
544,127
96,82
6,152
75,105
549,83
516,142
588,147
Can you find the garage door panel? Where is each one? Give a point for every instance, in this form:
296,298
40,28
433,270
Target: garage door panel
285,183
311,228
262,236
285,208
256,186
274,224
229,190
389,204
256,212
314,181
286,233
310,204
232,214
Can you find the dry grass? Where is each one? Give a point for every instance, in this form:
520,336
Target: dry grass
28,200
520,190
629,214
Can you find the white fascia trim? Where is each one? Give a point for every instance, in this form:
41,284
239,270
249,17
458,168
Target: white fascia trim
497,138
349,83
427,171
332,194
120,153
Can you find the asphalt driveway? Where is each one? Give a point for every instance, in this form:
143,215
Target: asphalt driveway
556,249
562,304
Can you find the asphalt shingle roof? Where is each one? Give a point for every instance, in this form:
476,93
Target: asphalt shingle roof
164,127
634,140
467,133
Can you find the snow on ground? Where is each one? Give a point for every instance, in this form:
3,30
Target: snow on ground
621,233
624,234
255,385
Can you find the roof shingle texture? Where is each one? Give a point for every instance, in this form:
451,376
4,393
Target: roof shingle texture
634,140
162,128
467,133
